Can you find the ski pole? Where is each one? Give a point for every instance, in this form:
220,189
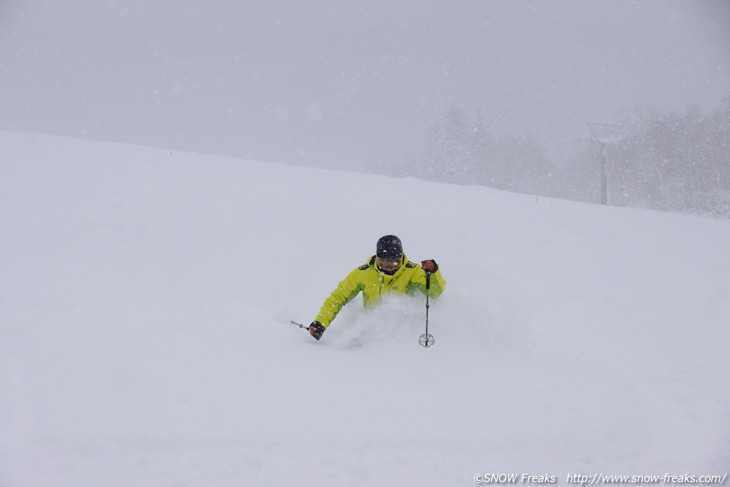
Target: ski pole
428,292
426,340
300,325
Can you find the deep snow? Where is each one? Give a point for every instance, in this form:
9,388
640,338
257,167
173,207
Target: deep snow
145,297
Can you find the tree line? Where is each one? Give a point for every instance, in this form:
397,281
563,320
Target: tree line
664,161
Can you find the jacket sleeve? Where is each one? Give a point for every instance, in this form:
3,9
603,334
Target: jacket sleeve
436,286
345,291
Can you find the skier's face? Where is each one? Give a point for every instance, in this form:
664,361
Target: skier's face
388,266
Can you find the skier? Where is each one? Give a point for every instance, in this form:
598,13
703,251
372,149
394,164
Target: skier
388,271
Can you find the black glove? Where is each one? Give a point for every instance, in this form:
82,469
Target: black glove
429,265
316,329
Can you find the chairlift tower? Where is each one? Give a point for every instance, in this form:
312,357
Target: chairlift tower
604,134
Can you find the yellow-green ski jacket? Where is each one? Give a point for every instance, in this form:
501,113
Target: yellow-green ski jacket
408,279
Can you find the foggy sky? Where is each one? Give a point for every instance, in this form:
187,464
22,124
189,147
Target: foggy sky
339,83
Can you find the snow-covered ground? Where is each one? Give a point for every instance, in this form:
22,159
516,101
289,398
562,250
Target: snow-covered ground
145,299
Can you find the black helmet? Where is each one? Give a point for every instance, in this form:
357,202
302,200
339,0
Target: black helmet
389,247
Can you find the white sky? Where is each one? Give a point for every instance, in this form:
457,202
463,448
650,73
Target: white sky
340,82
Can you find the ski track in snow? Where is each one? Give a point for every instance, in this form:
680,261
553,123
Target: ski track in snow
145,340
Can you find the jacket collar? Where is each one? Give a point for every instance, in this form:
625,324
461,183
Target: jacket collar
374,265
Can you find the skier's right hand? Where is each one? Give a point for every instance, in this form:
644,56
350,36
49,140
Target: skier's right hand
316,329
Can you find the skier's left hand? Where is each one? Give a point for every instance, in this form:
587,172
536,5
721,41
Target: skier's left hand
429,265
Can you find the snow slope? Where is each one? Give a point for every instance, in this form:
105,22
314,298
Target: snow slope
144,338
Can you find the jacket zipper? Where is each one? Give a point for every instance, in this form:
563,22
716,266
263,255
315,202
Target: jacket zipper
382,282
